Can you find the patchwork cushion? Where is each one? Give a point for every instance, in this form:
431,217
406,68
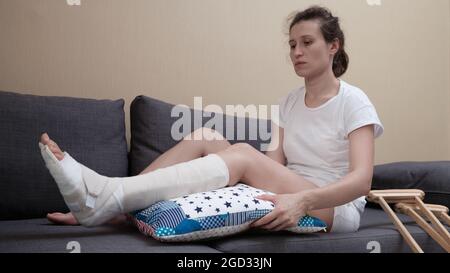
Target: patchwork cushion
211,214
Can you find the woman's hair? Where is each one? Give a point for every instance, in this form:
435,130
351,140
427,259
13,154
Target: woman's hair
331,30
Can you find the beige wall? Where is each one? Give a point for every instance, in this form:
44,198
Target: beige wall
234,52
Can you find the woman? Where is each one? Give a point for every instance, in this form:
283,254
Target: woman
320,162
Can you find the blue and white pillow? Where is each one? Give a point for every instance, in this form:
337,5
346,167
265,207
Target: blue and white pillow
211,214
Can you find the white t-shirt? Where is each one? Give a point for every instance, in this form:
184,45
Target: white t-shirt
316,143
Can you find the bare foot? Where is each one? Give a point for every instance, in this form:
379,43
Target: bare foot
54,148
62,218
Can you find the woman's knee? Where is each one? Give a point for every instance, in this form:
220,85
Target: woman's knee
210,140
243,148
238,161
205,134
243,152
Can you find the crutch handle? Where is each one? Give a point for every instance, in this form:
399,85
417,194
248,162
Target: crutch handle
395,196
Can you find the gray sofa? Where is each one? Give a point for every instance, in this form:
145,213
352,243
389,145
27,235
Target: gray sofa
93,132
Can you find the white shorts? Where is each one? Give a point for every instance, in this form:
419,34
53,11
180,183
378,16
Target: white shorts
346,218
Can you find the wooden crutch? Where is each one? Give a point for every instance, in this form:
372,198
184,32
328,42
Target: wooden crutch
433,219
416,213
383,197
410,202
440,211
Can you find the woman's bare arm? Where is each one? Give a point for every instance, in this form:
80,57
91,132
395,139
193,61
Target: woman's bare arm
357,182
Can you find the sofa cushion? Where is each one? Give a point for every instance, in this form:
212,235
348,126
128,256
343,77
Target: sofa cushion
376,233
211,214
151,129
39,236
431,177
92,131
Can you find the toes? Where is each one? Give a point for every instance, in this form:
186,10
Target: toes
52,145
57,152
54,148
45,138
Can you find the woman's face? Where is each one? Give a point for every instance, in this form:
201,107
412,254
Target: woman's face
310,54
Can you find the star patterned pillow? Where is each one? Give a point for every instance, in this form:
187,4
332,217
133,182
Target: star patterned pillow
211,214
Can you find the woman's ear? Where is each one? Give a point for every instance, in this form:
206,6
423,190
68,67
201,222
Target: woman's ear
334,46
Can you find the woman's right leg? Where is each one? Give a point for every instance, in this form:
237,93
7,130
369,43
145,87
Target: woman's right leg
199,143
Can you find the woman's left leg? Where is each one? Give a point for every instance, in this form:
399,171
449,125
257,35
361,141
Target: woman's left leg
248,165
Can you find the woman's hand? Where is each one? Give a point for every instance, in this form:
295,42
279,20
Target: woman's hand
289,208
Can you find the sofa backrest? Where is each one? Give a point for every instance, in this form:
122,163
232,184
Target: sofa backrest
154,129
91,131
432,177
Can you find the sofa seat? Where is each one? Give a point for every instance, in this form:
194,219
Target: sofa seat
375,226
38,235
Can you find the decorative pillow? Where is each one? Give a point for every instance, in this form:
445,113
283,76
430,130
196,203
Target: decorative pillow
211,214
91,130
432,177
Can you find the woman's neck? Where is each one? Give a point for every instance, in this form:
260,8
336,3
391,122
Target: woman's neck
322,87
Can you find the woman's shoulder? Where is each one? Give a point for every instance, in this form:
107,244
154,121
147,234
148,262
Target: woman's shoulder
294,93
354,95
290,98
287,103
